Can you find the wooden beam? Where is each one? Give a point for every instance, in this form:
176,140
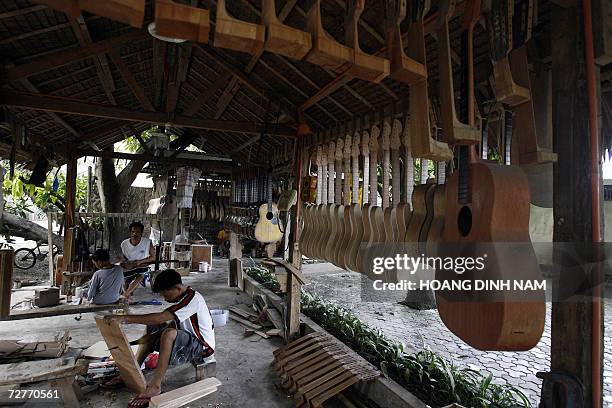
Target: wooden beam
244,79
100,62
231,89
572,318
55,117
205,96
34,33
59,59
21,11
180,70
71,176
130,80
78,107
222,166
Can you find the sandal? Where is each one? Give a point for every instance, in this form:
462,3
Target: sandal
139,402
114,383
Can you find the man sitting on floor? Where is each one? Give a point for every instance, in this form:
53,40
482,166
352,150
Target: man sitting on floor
138,253
184,331
107,283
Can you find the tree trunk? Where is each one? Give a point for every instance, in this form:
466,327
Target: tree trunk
112,189
20,227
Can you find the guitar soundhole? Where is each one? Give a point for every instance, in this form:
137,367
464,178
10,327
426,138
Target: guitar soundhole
269,215
464,221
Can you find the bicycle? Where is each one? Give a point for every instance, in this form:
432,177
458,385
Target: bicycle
26,258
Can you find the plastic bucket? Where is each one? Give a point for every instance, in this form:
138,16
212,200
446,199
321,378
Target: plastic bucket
204,267
219,317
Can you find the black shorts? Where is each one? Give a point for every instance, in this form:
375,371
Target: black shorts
186,346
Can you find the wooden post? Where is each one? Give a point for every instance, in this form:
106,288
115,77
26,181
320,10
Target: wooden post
6,281
294,288
71,175
572,321
50,255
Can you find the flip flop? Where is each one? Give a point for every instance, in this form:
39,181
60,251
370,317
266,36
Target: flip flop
139,402
113,384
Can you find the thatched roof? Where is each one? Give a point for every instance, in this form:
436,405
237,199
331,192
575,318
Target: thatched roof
274,86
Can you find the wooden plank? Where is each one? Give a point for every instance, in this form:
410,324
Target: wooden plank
59,59
79,107
60,310
130,12
245,323
184,395
38,349
118,344
22,11
275,317
131,80
41,370
6,281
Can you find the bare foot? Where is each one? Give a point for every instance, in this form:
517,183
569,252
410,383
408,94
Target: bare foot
143,399
151,391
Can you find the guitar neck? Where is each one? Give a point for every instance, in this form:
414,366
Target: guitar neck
347,190
355,174
331,168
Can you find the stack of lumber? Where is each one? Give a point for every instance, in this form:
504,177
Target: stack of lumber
262,320
10,349
184,395
317,367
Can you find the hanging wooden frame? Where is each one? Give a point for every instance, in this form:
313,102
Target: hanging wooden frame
280,38
238,35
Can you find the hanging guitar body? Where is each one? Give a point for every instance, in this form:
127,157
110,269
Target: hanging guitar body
269,227
495,221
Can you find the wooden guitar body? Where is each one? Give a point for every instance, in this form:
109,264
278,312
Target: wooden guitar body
320,222
328,214
499,208
306,231
326,51
269,227
348,231
351,257
366,239
238,35
429,210
283,39
333,233
339,221
434,235
402,214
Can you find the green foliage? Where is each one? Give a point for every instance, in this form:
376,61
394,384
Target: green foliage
429,376
131,143
22,193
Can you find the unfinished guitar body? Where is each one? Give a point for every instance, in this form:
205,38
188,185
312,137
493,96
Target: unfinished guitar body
499,209
403,68
180,21
269,227
326,51
130,12
282,39
507,91
365,66
454,131
238,35
530,144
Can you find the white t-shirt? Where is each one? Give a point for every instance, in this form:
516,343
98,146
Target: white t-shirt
191,314
138,252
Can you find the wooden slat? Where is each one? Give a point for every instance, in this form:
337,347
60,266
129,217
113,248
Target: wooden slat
184,395
34,33
59,59
125,11
21,11
120,349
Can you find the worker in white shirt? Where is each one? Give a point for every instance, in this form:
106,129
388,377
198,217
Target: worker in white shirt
138,254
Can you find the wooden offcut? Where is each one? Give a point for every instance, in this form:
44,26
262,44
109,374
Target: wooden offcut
184,395
41,370
39,349
237,35
6,281
120,349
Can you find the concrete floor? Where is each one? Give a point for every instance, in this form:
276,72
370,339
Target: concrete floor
243,363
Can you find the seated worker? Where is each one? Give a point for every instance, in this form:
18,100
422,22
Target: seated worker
183,332
107,283
138,253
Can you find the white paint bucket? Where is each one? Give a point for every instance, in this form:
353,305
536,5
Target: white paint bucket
219,317
204,266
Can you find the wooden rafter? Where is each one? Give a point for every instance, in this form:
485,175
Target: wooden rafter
33,33
78,107
182,68
22,11
127,76
81,32
230,90
58,59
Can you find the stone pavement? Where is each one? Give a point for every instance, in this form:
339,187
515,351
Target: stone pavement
423,329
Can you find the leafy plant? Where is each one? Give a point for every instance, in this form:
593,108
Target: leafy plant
429,376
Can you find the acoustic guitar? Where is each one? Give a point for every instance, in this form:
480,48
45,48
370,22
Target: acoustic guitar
404,208
323,209
269,227
365,209
487,208
373,217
